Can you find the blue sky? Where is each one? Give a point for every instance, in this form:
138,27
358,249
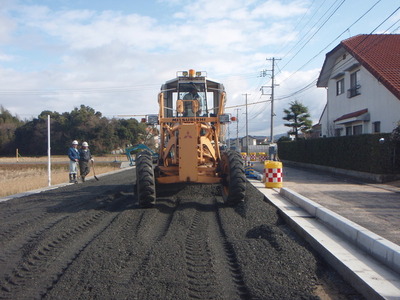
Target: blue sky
114,55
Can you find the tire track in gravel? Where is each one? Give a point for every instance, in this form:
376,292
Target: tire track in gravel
52,252
231,259
212,268
24,229
11,230
200,273
124,249
13,244
97,243
152,230
16,221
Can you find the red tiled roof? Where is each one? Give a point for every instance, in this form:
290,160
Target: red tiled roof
352,115
380,55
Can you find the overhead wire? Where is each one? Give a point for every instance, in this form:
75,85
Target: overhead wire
300,33
308,86
314,81
318,29
363,50
368,47
325,21
335,39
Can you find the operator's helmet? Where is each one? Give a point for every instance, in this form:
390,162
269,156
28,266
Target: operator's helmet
85,144
75,142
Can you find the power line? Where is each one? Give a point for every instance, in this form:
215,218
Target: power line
315,56
315,80
298,23
320,27
367,47
304,27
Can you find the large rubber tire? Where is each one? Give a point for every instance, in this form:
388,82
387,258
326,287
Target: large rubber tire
233,178
145,181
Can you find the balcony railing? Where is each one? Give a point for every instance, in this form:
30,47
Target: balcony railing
354,91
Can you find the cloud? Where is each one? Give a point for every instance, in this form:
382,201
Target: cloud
278,9
6,58
116,62
7,26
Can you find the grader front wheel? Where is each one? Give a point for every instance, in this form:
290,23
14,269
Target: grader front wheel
145,181
234,179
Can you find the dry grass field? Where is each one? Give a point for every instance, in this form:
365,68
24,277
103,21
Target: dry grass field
30,173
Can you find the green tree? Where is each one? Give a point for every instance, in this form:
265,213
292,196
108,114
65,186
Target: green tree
298,117
82,124
8,125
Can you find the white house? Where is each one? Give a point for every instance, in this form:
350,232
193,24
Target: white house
362,78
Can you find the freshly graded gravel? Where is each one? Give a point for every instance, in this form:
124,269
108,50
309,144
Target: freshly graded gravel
93,241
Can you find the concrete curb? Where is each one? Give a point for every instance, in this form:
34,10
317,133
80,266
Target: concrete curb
366,274
381,249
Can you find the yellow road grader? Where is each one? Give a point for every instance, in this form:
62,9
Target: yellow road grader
191,122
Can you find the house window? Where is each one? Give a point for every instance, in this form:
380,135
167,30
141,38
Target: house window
349,130
338,131
340,86
376,127
357,129
354,85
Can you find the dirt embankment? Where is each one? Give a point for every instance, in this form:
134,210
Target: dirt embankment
92,241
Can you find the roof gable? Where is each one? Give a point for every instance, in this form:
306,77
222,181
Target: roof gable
378,53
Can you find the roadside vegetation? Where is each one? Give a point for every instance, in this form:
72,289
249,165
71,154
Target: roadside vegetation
23,145
31,173
83,124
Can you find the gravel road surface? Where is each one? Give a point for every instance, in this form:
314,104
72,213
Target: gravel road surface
92,241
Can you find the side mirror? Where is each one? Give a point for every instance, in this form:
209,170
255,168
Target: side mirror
195,106
179,106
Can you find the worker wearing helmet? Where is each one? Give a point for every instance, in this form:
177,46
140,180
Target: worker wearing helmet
73,155
191,95
84,157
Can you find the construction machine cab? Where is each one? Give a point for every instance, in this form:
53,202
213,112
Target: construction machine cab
189,92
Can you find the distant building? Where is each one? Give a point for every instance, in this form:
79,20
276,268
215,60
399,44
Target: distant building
252,141
362,77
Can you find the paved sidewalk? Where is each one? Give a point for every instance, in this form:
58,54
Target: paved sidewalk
373,206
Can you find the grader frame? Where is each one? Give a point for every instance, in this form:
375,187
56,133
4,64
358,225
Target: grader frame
191,123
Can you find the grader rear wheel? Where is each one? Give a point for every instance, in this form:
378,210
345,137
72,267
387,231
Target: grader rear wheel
234,179
145,182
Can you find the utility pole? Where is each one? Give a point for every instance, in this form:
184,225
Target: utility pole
48,151
247,127
272,96
237,128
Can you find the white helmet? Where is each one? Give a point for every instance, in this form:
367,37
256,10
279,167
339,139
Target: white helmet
75,142
85,144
